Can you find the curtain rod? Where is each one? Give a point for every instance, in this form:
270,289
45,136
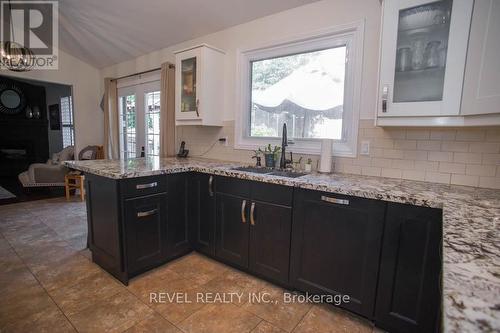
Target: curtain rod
139,73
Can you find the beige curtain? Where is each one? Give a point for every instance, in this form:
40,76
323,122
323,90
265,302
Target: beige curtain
167,116
111,120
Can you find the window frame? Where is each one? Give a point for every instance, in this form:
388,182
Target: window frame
350,35
71,124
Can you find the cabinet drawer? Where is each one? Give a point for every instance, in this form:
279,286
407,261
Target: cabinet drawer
272,193
233,186
137,187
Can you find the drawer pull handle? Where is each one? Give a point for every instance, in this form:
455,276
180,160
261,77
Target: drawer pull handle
335,200
211,186
243,206
252,214
147,213
143,186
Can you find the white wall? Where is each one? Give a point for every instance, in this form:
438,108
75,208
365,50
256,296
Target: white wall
86,95
311,17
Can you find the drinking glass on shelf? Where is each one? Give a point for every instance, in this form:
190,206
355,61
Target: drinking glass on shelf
417,57
403,59
431,54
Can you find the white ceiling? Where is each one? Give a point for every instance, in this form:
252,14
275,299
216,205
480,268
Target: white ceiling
106,32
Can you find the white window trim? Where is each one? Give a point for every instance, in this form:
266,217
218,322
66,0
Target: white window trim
351,34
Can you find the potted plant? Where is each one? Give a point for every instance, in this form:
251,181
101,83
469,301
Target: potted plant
270,155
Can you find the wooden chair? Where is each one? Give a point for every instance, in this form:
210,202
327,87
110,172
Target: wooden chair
75,180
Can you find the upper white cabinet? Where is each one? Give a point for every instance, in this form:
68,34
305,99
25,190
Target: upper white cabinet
423,53
481,93
199,88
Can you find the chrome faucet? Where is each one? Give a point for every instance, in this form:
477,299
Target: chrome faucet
284,143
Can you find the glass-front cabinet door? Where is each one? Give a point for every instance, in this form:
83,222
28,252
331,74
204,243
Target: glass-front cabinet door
423,51
188,87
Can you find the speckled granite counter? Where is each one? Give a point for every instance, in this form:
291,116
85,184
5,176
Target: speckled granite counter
471,216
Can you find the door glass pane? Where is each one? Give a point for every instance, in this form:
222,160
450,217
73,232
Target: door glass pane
127,126
421,51
188,82
152,123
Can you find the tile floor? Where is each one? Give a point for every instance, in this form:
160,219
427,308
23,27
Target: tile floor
49,284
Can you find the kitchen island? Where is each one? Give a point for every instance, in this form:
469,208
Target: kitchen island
470,216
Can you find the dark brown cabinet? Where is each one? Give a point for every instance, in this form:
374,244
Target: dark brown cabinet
146,227
409,296
177,216
201,204
270,226
253,227
336,242
232,229
385,256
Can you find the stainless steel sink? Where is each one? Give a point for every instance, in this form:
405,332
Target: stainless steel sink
289,174
261,170
272,172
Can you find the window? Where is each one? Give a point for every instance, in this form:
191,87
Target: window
139,109
304,90
311,83
68,127
128,126
153,123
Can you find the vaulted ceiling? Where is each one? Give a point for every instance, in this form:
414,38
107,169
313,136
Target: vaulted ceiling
106,32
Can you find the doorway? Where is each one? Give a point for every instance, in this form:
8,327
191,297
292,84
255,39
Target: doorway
139,118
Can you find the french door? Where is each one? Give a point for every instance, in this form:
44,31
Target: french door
139,113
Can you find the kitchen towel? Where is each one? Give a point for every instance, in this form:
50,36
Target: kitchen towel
325,163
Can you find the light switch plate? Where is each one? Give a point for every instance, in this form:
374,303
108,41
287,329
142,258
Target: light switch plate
365,148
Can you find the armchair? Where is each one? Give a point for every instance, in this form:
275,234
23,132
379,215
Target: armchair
50,173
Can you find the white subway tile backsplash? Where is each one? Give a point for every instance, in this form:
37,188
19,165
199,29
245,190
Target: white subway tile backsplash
462,156
381,162
443,134
429,145
426,165
465,180
437,177
481,170
405,144
471,134
458,146
371,171
391,173
468,158
440,156
491,159
452,167
484,147
417,134
420,155
393,153
413,175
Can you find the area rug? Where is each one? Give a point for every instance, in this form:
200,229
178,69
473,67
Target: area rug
4,194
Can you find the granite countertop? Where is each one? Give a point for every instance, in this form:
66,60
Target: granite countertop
471,216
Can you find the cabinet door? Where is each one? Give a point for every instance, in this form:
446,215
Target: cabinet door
232,215
177,224
187,84
145,223
335,246
482,74
202,212
408,298
270,227
423,51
